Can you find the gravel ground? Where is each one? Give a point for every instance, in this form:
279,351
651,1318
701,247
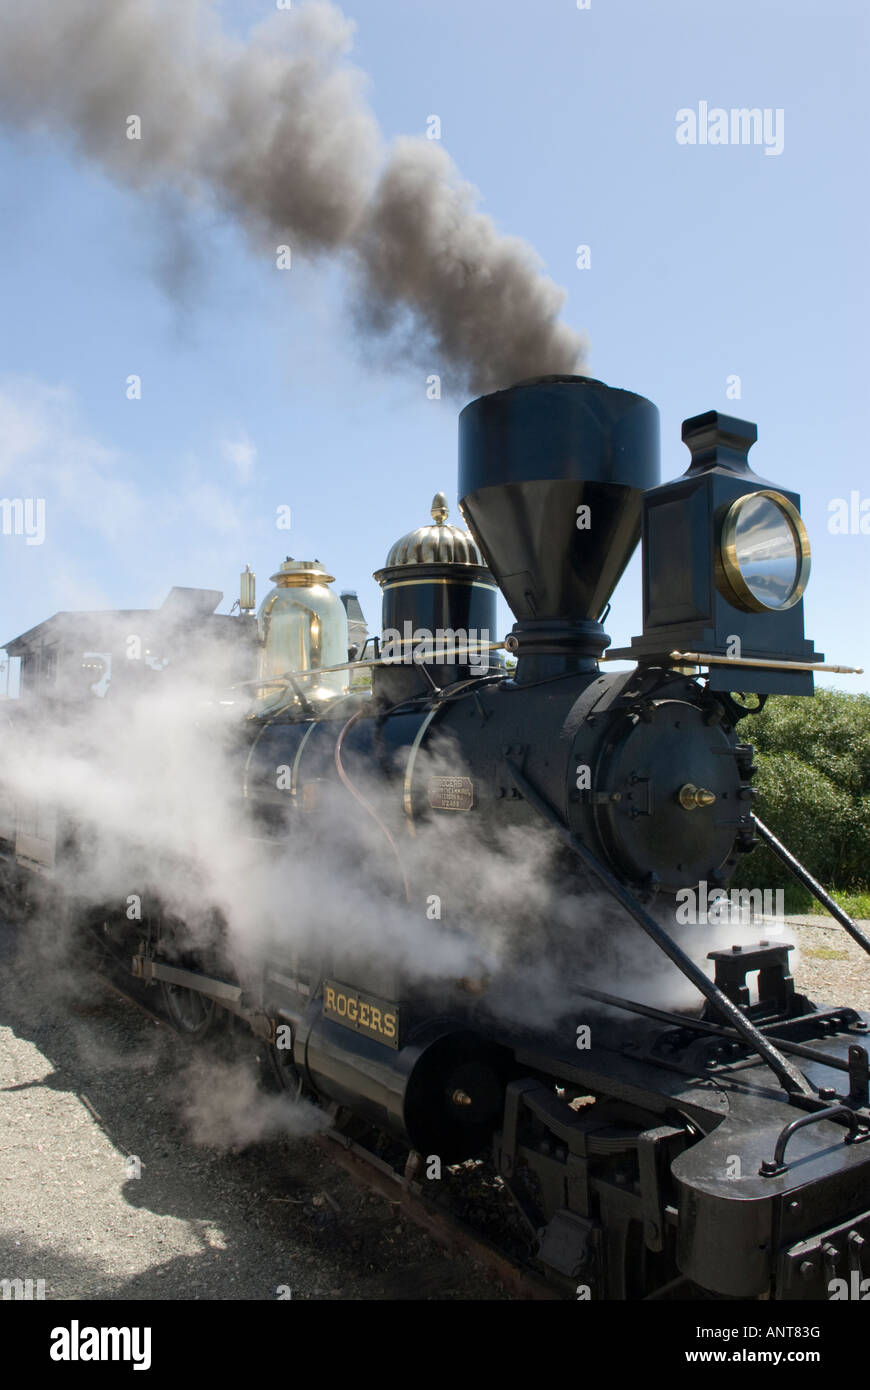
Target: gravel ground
86,1081
827,964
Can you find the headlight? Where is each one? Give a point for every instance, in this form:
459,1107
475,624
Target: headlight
764,553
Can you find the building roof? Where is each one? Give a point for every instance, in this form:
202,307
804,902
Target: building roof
180,603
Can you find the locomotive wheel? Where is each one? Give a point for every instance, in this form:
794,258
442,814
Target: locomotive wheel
192,1013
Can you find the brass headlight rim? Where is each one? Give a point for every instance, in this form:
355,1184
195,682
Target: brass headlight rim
729,577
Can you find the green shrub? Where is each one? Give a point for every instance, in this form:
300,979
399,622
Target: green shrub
813,780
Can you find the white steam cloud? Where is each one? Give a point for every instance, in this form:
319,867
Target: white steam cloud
225,1108
144,793
277,132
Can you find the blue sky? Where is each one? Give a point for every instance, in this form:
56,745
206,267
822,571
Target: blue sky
706,261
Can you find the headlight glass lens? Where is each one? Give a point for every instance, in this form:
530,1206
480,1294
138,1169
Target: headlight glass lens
765,552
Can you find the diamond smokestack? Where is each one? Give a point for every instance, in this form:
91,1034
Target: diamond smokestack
551,474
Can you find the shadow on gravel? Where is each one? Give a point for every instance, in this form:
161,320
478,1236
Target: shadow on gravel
259,1217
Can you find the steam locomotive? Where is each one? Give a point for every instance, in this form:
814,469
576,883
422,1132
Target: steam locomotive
717,1151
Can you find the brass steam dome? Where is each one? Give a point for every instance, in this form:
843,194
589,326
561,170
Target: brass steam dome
436,544
303,627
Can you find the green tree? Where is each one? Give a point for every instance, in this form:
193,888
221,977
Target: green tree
813,780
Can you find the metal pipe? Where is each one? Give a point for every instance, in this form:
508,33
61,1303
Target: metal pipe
702,1025
805,877
286,676
365,803
710,659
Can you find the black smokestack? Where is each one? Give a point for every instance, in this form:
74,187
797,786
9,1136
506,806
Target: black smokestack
551,475
276,131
